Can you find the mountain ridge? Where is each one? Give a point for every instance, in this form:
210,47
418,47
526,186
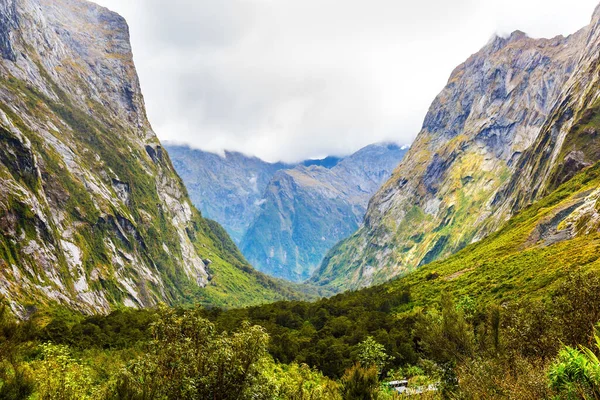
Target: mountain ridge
92,213
260,212
224,187
442,196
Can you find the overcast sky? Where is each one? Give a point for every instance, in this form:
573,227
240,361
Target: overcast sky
296,79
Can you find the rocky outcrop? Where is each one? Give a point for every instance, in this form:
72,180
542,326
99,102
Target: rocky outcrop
92,213
307,209
8,22
568,141
514,121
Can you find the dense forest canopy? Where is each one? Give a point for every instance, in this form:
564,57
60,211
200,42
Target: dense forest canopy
327,349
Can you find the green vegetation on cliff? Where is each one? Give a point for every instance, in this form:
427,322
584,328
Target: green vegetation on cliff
515,120
233,281
92,213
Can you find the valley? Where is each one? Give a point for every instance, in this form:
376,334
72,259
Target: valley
463,267
285,217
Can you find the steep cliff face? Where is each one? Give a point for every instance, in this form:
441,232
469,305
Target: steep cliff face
568,140
483,154
92,213
8,22
307,209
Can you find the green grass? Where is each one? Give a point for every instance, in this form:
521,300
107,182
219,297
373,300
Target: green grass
507,265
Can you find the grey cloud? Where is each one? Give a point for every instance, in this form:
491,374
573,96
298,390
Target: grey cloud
293,79
186,25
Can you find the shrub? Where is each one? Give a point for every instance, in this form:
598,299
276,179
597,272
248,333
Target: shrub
359,383
576,373
371,353
188,359
300,382
502,378
61,377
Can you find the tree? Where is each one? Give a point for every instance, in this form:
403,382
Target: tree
445,336
16,381
529,329
371,353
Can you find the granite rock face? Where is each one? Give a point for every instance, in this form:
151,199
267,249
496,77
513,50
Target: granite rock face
8,22
514,121
92,213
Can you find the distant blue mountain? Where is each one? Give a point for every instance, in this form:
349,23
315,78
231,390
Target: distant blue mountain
285,217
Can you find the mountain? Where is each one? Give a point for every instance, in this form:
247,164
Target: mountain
512,123
511,315
307,209
227,188
92,213
283,216
531,255
527,285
